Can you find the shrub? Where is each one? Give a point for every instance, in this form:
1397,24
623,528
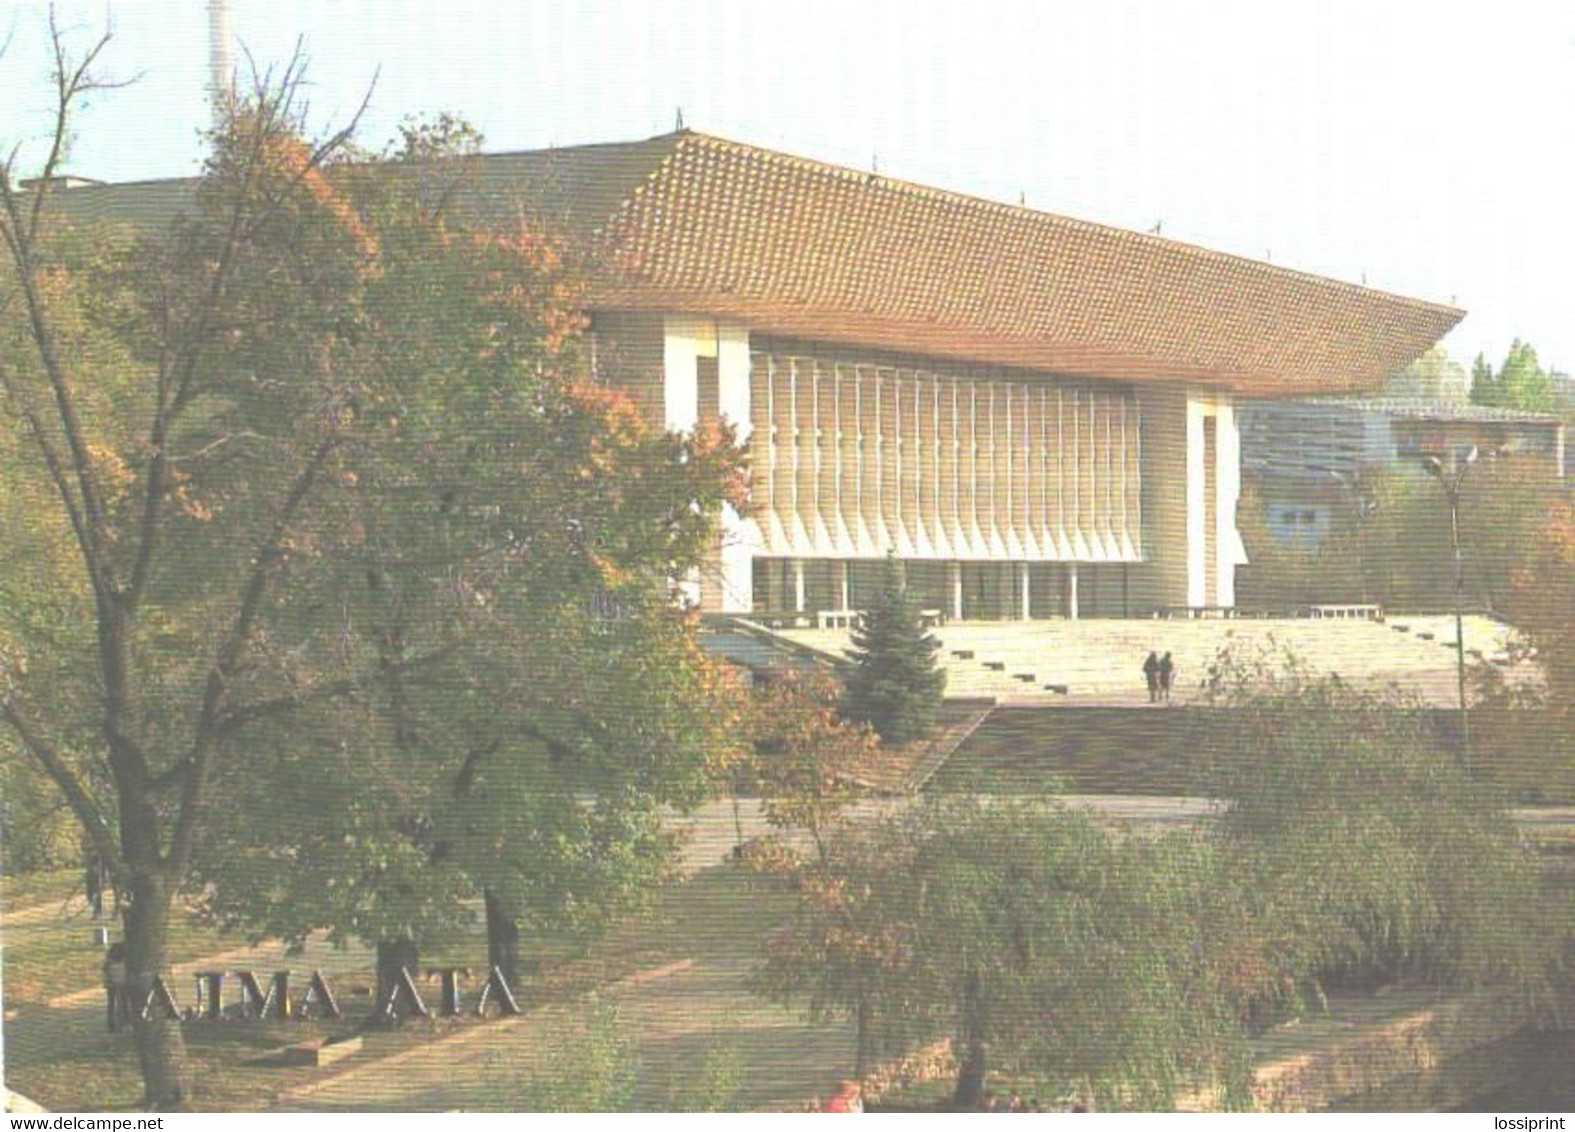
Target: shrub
1364,851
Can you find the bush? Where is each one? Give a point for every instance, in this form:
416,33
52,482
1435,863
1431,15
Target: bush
1364,851
588,1066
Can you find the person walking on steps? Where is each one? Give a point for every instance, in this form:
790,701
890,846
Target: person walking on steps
1151,674
1167,676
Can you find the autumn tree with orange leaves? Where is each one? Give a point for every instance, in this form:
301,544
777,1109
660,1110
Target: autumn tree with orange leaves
1529,725
357,606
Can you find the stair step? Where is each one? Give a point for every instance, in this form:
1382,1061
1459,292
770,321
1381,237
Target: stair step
1025,677
963,654
995,665
1058,689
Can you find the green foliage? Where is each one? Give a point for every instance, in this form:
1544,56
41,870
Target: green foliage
585,1065
1520,383
712,1084
1364,851
37,830
1433,377
804,756
1046,947
896,684
342,590
1396,551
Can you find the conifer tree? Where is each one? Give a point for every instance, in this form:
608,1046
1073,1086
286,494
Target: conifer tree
895,685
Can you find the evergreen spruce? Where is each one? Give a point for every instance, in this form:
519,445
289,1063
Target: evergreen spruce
895,685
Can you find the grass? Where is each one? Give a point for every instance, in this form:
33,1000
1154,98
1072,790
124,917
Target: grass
27,889
63,1058
1082,751
1169,751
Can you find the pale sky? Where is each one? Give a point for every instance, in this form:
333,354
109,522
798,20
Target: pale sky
1423,147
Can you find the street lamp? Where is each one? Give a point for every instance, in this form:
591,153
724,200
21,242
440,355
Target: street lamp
1451,485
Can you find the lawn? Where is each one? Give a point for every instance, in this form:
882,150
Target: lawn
677,973
1082,751
1170,751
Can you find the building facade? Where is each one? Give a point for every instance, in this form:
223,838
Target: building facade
1306,458
1036,415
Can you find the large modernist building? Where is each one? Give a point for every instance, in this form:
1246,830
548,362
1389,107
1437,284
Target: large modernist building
1036,414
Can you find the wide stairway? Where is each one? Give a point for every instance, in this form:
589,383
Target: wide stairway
1100,662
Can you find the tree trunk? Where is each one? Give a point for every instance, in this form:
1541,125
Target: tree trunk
392,954
503,941
161,1048
972,1049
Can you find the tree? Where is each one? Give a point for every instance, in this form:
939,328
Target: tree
293,452
566,702
1361,845
804,756
1039,943
895,684
1432,377
1530,738
1520,383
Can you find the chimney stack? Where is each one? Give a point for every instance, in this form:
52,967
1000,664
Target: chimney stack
221,61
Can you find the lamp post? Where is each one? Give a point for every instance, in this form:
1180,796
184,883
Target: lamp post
1450,482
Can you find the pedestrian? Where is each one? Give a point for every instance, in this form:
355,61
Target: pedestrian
1167,675
1151,674
96,881
116,992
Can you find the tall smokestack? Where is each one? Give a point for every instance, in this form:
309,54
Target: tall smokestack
221,61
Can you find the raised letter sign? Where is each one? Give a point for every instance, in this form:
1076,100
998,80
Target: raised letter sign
404,988
317,994
256,1004
209,1004
496,984
450,977
160,998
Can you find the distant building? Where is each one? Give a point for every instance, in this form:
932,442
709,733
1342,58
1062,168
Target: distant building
1302,458
1038,415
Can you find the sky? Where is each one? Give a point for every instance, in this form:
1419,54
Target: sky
1425,149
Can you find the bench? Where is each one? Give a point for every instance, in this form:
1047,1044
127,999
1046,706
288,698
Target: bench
837,618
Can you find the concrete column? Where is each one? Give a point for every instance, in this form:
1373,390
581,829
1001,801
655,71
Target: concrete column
683,340
842,584
1071,590
1025,610
954,575
741,537
799,599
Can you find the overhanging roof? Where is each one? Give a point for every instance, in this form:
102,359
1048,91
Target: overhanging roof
688,222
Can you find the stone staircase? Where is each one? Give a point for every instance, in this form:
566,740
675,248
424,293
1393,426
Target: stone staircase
1049,662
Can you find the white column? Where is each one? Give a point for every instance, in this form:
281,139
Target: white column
681,344
954,575
842,583
1071,590
1227,487
1197,579
741,538
1024,590
799,599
